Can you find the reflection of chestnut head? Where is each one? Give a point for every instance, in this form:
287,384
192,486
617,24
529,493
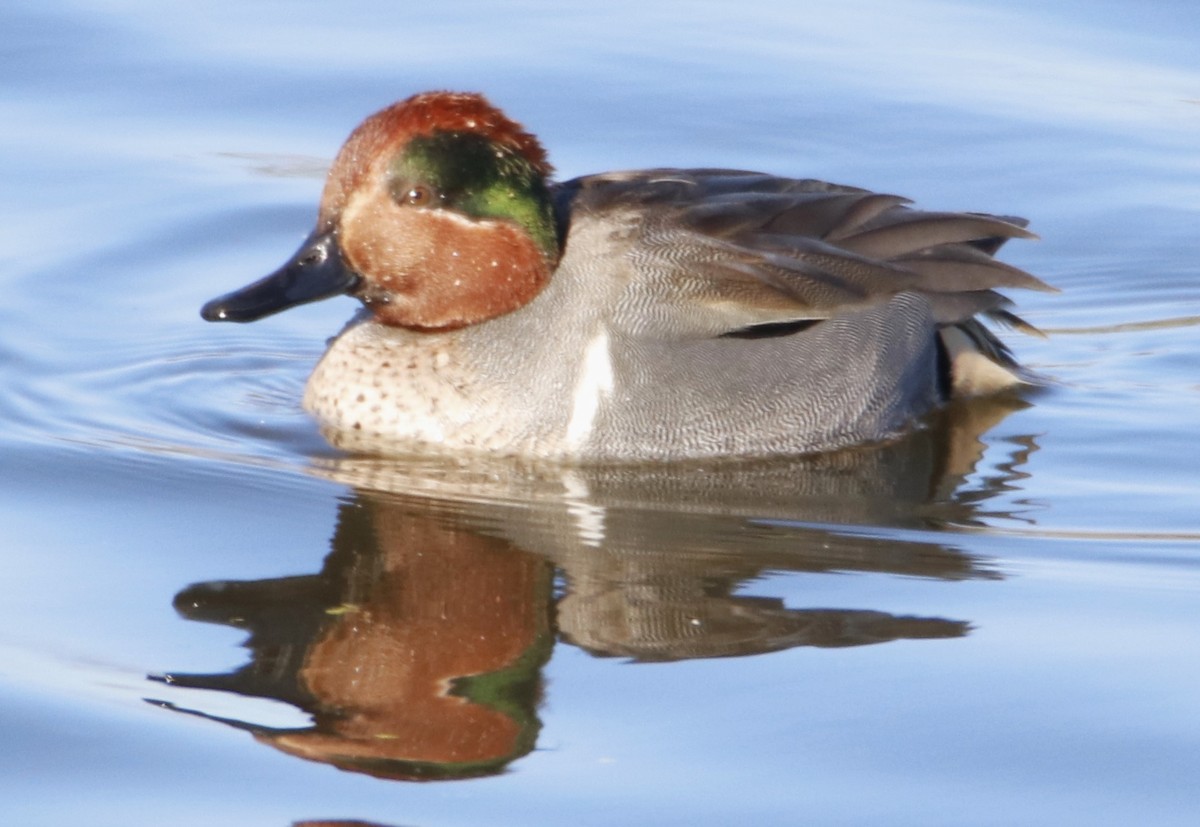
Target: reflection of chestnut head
416,651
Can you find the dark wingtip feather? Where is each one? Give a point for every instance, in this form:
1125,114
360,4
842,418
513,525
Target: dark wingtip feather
1009,319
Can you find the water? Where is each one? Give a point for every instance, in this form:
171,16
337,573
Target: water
206,610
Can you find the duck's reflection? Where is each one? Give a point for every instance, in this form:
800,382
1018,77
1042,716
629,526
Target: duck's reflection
417,649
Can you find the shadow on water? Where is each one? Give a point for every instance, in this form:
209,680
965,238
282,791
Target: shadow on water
417,649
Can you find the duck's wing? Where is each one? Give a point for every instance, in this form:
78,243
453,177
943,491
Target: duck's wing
721,252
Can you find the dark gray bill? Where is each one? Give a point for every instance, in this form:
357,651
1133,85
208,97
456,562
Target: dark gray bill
315,272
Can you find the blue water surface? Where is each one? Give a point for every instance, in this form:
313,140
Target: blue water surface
210,616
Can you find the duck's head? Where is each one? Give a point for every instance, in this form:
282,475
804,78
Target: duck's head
436,214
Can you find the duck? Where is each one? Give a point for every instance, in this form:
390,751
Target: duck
641,316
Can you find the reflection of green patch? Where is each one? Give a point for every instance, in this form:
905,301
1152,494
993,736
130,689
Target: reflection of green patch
513,691
478,178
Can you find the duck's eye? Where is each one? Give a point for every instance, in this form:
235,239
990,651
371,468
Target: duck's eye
418,196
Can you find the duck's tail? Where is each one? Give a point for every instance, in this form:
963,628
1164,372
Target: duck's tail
978,363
